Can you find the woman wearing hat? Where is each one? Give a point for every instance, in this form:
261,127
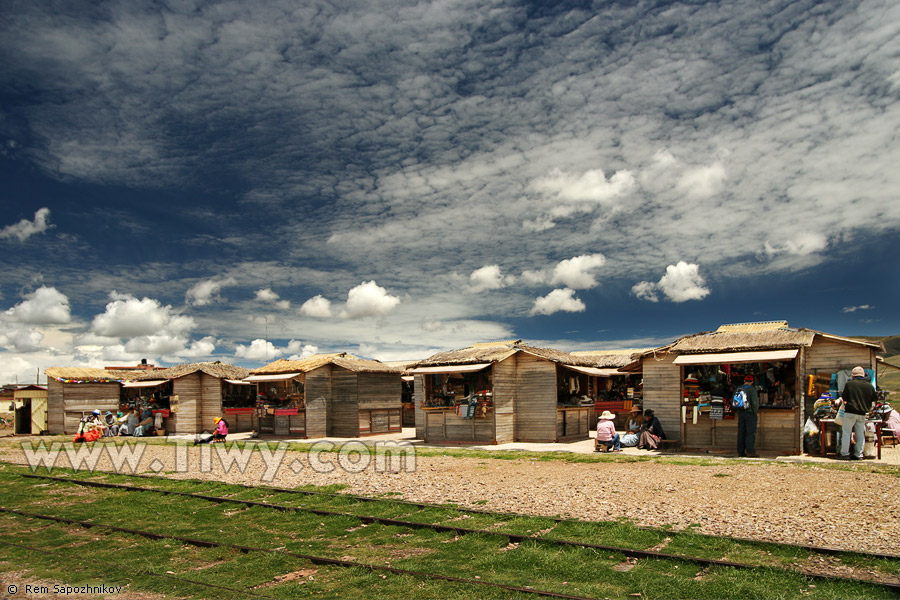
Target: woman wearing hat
218,435
633,428
651,432
606,433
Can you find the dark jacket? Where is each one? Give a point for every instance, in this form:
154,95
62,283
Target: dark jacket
654,427
858,396
752,397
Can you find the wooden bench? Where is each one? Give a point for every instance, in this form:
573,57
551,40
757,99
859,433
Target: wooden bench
669,445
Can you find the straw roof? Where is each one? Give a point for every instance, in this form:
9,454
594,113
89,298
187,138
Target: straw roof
92,374
750,336
498,351
216,369
609,358
342,359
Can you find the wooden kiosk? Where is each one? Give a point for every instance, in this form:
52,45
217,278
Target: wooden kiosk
328,395
499,392
689,382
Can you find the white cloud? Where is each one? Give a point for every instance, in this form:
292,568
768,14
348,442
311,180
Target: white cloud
432,325
801,243
538,224
126,316
298,350
591,185
681,282
556,301
267,295
317,307
645,290
24,229
44,306
368,299
534,278
487,278
202,348
852,309
20,338
259,350
576,273
702,182
206,292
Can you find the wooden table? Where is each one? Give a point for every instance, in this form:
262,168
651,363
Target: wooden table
823,425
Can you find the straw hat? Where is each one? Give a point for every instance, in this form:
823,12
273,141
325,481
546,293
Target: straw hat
607,415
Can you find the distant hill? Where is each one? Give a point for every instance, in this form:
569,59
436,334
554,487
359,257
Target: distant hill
888,379
891,342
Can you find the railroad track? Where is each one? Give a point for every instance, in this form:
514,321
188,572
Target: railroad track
316,560
513,538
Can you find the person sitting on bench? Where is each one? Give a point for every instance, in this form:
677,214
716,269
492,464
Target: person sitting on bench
606,433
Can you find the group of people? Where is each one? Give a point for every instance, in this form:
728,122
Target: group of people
642,430
136,422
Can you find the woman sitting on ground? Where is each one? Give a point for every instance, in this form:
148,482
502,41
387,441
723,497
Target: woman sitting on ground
651,432
633,428
606,433
219,435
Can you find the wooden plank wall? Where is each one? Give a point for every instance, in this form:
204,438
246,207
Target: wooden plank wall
81,398
210,399
56,409
832,355
318,388
535,418
662,392
344,413
418,399
315,417
189,392
504,382
380,390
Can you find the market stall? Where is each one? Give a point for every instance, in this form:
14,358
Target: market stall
328,394
72,392
499,392
689,383
189,396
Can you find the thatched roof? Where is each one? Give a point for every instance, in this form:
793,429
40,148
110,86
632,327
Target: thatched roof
491,352
92,374
342,359
215,369
743,337
609,358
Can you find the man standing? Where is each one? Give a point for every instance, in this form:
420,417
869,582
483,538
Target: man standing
859,396
747,419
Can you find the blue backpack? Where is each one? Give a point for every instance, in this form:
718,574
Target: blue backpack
740,401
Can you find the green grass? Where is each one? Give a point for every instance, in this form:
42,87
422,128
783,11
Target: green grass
75,555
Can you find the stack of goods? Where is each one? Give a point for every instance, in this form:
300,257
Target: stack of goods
823,407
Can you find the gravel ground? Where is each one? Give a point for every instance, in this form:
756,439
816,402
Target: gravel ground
765,500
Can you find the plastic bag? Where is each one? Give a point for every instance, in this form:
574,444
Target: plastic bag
839,419
810,427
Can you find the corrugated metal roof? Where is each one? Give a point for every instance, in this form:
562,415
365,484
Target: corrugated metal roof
752,327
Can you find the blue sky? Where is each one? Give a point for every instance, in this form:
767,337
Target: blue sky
186,181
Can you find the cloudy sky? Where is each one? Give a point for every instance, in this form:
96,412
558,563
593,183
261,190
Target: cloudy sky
234,181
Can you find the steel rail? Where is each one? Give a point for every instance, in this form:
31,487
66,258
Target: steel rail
817,549
628,552
317,560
